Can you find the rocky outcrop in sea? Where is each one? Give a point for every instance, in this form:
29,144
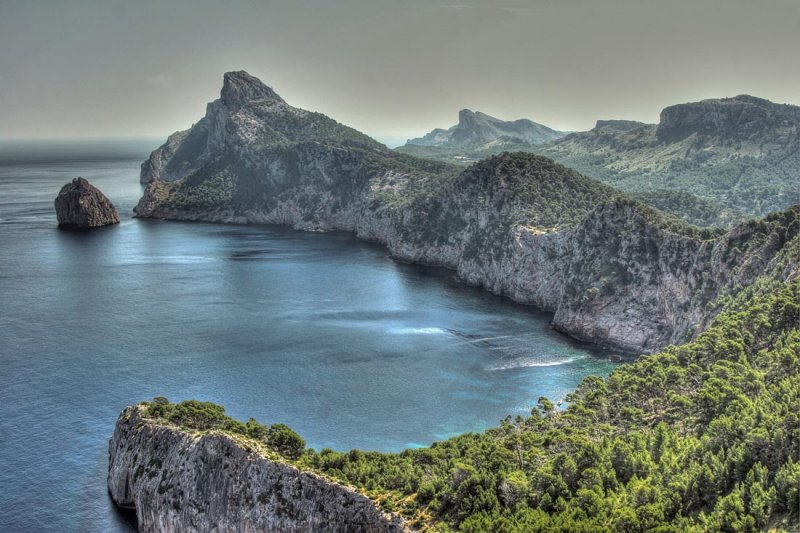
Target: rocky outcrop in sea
79,204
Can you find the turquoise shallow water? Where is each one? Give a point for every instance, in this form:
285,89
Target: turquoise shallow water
322,332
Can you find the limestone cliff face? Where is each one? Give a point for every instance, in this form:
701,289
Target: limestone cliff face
619,279
735,120
612,271
180,481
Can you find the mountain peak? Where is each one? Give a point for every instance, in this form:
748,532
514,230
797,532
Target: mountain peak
239,87
466,114
475,127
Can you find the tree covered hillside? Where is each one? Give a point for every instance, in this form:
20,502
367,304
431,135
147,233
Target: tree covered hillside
712,163
700,437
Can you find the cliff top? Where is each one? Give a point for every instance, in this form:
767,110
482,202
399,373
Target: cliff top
277,443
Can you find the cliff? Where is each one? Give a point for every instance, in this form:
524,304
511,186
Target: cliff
183,480
613,271
79,204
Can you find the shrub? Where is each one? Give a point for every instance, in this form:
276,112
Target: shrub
198,415
283,439
160,407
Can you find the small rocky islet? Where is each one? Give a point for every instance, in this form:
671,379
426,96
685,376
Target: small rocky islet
81,205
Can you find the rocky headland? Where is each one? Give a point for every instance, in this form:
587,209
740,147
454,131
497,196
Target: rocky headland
613,271
79,204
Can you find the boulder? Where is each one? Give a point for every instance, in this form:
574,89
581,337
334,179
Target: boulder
79,204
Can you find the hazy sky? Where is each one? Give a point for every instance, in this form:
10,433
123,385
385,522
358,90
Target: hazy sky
389,68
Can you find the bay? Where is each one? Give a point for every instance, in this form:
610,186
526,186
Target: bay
319,331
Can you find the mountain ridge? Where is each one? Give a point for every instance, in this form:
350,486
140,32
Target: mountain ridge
741,154
516,224
736,158
476,128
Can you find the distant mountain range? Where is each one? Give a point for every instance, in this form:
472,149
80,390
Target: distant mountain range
475,129
478,135
711,163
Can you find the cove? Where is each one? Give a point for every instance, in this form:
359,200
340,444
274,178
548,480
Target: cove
322,332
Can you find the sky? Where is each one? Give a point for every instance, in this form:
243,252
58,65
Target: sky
393,69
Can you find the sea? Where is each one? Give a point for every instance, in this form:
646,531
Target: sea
322,332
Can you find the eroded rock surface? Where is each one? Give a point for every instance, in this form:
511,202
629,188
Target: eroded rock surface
79,204
177,480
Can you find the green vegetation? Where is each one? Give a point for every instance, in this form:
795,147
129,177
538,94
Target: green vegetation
207,416
688,208
696,192
701,188
533,190
211,187
701,437
669,222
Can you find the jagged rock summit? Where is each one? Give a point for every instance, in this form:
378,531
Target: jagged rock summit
80,204
239,87
475,127
247,117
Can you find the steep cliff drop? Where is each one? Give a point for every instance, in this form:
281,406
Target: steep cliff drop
183,480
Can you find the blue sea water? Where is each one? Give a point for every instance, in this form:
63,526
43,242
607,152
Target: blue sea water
322,332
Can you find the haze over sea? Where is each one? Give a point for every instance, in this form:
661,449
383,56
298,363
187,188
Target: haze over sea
322,332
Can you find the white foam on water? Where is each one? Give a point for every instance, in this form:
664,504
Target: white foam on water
527,362
417,331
